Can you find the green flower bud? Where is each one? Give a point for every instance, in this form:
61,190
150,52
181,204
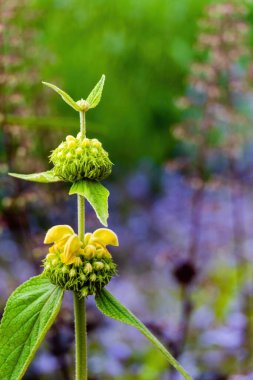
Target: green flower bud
84,291
65,269
88,268
93,277
76,159
79,150
72,272
98,265
82,277
55,262
96,143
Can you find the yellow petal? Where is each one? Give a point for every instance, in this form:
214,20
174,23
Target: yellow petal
61,243
71,249
87,237
57,233
106,237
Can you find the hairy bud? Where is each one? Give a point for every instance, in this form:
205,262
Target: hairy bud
89,277
76,159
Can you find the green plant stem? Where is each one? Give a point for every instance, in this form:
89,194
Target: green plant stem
80,304
81,338
81,215
82,124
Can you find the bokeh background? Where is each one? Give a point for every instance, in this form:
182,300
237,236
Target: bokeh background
176,117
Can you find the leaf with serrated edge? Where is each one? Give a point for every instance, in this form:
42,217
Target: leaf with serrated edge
28,315
43,177
96,194
112,308
95,95
64,96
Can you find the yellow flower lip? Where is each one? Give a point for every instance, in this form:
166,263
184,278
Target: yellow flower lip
71,249
105,236
58,233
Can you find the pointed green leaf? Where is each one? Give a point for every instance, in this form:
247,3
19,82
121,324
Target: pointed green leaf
96,194
64,96
112,308
28,315
44,177
95,95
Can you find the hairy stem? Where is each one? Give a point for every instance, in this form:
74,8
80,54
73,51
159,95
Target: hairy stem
82,124
80,304
81,338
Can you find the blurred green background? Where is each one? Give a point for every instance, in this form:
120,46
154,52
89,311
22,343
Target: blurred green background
144,48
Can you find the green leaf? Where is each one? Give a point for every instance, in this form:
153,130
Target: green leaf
95,95
45,177
96,194
112,308
64,96
28,315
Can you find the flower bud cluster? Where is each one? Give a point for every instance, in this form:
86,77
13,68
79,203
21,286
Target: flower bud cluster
82,267
85,276
76,159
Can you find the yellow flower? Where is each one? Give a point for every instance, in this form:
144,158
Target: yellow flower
99,240
71,250
64,239
70,247
58,234
105,237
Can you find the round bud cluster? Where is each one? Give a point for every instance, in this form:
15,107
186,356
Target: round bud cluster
76,159
86,276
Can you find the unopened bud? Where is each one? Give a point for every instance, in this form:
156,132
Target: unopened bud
50,256
64,269
72,272
85,292
70,138
96,143
89,251
55,262
83,104
99,265
93,277
94,151
79,151
78,261
100,253
71,144
85,142
82,277
88,268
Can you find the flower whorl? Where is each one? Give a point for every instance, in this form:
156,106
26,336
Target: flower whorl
76,159
83,267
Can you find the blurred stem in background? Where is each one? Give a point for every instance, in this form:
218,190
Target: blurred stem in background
216,127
